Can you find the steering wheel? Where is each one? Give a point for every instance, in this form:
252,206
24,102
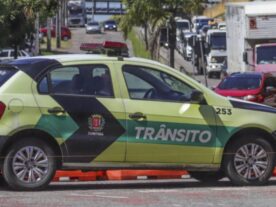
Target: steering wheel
150,93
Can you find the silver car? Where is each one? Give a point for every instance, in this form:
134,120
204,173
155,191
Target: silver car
93,27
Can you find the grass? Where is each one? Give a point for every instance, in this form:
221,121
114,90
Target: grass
138,45
64,45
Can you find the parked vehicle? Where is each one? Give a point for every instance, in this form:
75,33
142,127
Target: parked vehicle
251,36
89,112
110,25
8,54
93,27
65,32
250,86
216,40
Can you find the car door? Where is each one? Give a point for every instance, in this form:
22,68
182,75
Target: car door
81,108
163,125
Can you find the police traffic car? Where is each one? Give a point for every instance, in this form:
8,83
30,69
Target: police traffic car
94,112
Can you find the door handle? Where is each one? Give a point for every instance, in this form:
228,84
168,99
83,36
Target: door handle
56,111
138,116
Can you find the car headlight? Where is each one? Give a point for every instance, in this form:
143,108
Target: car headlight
106,26
114,26
250,98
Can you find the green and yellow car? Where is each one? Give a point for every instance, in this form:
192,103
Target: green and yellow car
93,112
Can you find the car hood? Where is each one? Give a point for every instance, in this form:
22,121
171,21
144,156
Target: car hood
237,103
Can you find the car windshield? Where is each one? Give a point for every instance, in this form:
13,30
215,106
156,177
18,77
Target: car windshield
266,55
5,74
240,83
110,22
93,24
182,25
218,59
218,41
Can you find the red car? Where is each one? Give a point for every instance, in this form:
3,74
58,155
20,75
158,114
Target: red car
65,32
250,86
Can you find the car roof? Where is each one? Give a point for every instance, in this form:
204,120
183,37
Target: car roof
33,66
247,74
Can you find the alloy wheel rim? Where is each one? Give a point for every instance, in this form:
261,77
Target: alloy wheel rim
251,161
30,164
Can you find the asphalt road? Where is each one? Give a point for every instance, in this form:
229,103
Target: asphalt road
79,36
159,193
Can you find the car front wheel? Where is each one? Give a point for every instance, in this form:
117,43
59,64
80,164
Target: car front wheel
30,164
249,161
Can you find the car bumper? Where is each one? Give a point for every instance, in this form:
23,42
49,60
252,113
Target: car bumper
214,68
110,28
93,31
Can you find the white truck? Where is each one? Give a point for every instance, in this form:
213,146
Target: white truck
217,55
251,36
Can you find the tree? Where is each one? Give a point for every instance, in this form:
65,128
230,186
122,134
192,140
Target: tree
155,14
17,21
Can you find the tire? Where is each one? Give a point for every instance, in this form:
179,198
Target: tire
239,168
207,177
42,151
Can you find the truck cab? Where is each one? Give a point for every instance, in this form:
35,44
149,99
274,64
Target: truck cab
265,57
216,40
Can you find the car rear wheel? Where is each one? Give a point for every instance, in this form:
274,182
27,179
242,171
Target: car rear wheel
249,161
29,165
207,177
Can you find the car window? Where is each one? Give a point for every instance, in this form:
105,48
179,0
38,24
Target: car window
4,54
78,80
151,84
5,74
240,83
93,24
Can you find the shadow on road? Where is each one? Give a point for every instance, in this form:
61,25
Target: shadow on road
149,184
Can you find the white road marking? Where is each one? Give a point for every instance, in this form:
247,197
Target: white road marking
230,189
157,191
101,196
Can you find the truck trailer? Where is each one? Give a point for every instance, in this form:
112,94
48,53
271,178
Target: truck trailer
251,36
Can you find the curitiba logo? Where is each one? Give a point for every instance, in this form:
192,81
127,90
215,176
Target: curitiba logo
175,135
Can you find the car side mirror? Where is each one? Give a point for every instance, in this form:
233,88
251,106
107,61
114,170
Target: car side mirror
197,97
245,57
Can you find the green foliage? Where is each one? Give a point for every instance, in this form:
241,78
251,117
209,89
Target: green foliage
138,46
17,19
153,14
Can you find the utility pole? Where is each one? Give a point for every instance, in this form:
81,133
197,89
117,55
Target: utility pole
49,28
201,41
